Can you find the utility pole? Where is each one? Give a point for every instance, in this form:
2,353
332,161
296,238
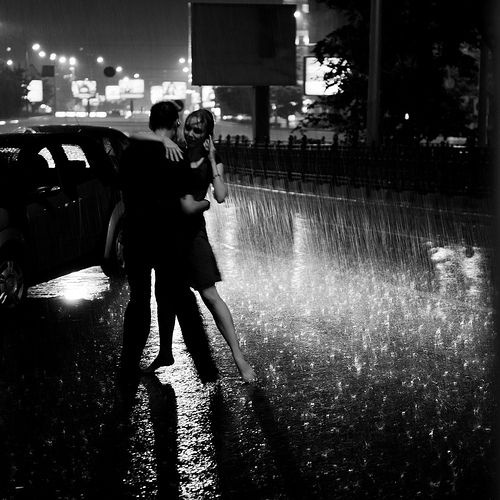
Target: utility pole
374,71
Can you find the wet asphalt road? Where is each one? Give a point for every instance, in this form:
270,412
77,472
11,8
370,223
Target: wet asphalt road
374,351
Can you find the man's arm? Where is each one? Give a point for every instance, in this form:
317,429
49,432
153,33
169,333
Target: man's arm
190,206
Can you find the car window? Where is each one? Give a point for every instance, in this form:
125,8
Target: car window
45,153
41,170
9,154
75,153
77,168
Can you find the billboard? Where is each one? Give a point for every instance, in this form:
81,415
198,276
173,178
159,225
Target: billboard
174,90
208,96
112,92
83,89
156,93
35,91
131,88
243,44
314,77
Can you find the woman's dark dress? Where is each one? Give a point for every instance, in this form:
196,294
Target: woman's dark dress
202,270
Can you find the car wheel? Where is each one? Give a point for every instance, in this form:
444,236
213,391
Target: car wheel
12,280
114,266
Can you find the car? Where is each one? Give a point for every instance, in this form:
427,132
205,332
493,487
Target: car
60,210
112,140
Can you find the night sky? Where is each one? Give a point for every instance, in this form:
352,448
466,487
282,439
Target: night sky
145,36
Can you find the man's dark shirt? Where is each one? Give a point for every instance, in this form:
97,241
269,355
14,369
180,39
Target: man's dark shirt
151,186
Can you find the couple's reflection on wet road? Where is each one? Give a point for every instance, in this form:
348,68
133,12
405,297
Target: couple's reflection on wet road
113,460
236,480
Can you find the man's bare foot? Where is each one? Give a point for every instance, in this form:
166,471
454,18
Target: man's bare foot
158,362
246,371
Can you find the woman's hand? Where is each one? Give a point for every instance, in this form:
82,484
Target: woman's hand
210,147
173,151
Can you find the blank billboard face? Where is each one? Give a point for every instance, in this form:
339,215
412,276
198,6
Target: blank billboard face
243,44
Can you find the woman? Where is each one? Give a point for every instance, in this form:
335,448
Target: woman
203,273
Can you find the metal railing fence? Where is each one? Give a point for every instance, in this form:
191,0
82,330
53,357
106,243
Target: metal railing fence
465,171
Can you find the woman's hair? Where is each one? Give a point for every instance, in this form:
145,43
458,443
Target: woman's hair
205,117
164,114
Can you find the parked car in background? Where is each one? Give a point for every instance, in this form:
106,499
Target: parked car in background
60,209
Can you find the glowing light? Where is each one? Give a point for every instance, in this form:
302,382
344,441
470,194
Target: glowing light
182,60
119,69
407,116
9,49
72,61
185,69
53,56
297,14
36,47
62,59
10,62
100,59
42,54
136,75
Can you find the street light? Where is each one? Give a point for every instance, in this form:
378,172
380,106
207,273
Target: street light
62,59
10,62
53,56
100,59
72,61
119,69
182,60
36,47
42,54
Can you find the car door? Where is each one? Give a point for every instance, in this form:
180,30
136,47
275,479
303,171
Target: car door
93,195
49,228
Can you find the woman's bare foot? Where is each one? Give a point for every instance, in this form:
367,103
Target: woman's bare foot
246,371
158,362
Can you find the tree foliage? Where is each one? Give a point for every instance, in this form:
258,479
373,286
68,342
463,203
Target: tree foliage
430,54
12,91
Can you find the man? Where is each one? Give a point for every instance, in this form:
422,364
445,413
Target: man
152,186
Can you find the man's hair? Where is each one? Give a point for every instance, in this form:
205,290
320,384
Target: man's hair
164,114
205,117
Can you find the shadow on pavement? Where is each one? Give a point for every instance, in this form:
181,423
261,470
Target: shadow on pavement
232,456
196,340
113,449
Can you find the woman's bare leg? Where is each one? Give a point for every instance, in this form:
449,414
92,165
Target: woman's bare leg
224,321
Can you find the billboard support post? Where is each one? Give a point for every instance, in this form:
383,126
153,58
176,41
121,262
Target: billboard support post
260,121
374,74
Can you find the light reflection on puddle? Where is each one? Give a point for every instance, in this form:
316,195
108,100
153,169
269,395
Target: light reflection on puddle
87,284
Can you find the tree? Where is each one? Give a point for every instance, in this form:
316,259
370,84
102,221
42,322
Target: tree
13,90
429,59
287,100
